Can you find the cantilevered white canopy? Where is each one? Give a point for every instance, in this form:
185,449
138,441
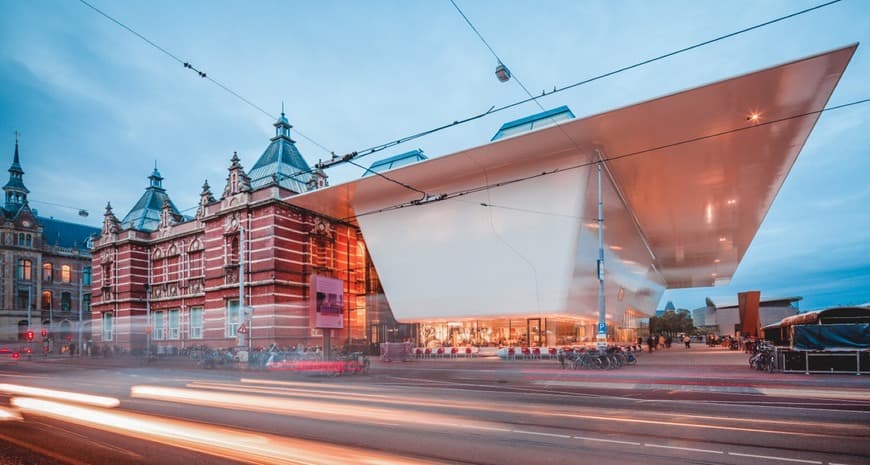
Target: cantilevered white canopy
690,177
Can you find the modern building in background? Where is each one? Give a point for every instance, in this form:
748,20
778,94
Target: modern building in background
725,319
45,270
496,244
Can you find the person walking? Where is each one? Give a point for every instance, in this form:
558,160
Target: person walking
688,341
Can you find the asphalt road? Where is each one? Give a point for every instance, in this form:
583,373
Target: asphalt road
466,412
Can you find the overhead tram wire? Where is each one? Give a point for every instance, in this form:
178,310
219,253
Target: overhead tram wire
377,148
204,75
199,72
473,190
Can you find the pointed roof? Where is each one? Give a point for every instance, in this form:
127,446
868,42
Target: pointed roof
66,234
145,215
281,161
16,192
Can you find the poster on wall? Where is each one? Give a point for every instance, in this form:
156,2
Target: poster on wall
327,302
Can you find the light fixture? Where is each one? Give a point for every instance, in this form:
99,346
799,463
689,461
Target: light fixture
731,201
753,117
717,261
502,73
723,239
615,247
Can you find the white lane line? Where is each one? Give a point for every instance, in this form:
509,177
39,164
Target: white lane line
774,458
833,463
630,443
488,428
536,433
690,449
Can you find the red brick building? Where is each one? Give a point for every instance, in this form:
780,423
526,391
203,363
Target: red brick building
185,271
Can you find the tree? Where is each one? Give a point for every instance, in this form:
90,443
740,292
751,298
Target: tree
671,323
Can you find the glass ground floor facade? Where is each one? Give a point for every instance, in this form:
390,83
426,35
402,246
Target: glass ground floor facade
536,331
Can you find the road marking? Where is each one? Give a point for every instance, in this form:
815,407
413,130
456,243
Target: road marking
773,458
690,449
630,443
536,433
488,428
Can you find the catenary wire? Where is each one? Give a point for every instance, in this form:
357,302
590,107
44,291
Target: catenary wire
492,110
199,72
460,193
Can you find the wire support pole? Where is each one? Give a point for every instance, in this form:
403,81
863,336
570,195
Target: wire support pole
601,337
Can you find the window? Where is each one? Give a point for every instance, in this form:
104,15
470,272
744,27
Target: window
28,240
46,300
157,321
86,276
65,301
234,318
46,272
23,299
173,324
107,326
196,323
65,273
21,239
86,306
24,269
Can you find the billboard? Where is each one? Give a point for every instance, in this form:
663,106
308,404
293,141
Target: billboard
327,302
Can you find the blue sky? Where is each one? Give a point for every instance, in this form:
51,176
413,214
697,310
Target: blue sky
97,106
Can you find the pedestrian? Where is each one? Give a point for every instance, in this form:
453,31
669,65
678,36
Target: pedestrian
651,343
688,341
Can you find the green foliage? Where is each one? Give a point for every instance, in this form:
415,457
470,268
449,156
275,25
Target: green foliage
671,323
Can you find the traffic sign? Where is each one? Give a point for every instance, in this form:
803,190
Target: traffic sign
242,329
602,328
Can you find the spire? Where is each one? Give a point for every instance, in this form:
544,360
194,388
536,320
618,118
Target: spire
155,178
237,181
205,198
16,192
282,127
110,221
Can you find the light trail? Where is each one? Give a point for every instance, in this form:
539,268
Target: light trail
9,415
329,411
98,401
234,444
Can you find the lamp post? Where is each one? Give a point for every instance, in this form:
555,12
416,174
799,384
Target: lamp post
602,324
81,303
148,319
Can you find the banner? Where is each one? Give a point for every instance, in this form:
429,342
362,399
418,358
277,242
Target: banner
327,302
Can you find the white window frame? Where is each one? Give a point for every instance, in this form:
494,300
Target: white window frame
174,324
195,319
233,318
157,323
107,326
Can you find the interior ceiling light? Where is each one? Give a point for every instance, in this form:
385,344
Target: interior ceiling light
717,261
732,201
615,247
753,117
722,239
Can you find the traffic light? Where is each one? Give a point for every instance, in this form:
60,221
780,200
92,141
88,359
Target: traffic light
28,335
44,332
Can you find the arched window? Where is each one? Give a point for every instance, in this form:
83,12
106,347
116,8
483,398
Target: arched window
65,274
46,300
46,272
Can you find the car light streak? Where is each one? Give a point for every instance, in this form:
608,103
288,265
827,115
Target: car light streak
97,401
312,409
9,415
234,444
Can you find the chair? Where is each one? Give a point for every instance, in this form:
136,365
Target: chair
526,352
440,352
454,352
553,352
511,353
418,353
427,353
468,352
536,353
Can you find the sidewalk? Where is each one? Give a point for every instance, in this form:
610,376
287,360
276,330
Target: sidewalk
699,369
